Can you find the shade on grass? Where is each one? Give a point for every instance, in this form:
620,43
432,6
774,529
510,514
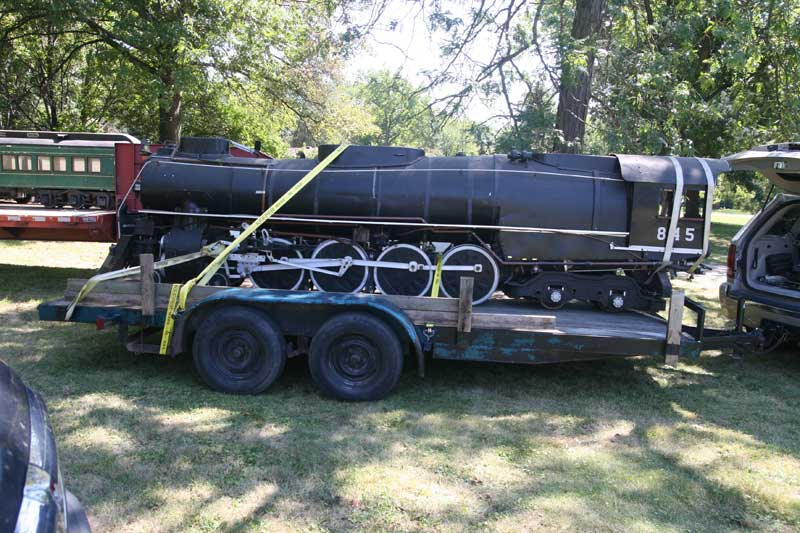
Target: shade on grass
613,445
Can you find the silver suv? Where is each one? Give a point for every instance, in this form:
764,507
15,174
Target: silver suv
764,256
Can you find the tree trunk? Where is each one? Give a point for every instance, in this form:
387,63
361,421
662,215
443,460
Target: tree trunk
577,66
169,112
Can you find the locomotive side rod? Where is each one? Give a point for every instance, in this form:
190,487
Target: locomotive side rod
316,265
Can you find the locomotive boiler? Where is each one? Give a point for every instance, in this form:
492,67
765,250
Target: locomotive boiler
548,227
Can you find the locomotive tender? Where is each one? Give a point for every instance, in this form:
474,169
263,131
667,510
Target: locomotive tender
549,227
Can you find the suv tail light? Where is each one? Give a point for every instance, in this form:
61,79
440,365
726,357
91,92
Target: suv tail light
731,261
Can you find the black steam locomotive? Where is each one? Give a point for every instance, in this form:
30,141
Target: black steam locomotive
550,227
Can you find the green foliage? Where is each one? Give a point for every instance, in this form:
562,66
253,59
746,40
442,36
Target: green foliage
533,127
703,78
398,110
247,69
403,115
344,118
742,190
456,136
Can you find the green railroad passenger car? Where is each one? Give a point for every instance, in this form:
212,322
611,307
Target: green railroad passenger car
59,169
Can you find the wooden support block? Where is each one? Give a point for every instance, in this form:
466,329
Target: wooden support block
147,285
674,328
465,304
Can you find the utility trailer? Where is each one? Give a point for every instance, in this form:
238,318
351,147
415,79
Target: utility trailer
357,344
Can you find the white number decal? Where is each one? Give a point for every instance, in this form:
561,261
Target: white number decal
661,234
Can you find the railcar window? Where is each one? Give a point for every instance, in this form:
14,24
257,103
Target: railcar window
44,164
25,162
79,164
693,203
94,165
665,205
9,162
60,163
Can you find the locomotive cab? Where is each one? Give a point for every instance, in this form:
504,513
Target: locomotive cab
670,205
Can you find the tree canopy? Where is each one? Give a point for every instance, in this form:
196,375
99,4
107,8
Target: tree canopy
246,68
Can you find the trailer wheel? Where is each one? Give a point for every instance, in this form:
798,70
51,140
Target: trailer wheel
239,350
356,356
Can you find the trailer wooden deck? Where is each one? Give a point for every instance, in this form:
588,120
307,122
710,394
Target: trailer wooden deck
500,330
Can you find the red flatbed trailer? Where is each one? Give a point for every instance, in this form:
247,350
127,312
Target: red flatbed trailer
40,224
31,222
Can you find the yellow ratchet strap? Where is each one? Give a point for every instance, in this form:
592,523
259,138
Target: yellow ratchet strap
437,282
437,277
211,269
169,325
208,250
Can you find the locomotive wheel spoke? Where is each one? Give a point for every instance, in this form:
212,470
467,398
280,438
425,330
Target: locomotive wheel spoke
403,281
486,281
353,279
284,279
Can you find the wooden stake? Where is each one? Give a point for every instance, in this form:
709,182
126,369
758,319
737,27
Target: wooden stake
148,285
465,304
674,328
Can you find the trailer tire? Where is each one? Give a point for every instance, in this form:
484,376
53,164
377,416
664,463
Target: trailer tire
356,357
239,350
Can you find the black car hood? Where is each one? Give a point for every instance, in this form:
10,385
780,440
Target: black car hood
15,438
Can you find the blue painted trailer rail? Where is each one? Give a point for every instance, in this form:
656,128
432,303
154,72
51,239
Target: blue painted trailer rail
297,312
502,330
579,333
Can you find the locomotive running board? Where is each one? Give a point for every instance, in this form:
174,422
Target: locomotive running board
361,222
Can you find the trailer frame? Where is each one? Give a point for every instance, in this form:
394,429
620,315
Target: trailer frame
501,330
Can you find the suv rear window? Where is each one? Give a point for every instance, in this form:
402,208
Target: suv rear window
785,224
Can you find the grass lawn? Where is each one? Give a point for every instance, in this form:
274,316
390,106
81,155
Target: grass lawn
724,225
713,445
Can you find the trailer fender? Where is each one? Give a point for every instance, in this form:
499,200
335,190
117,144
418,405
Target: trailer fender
318,304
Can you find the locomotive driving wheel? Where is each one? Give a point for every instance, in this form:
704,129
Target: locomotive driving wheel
413,280
289,279
354,277
484,272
